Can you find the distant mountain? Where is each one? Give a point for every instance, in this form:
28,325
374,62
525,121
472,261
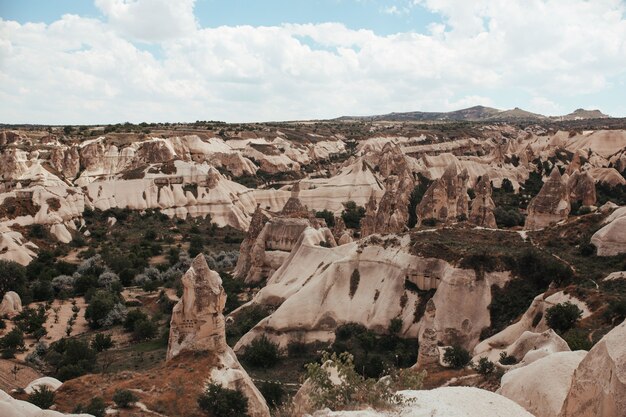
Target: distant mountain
579,114
476,113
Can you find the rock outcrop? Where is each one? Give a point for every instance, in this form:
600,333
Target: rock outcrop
443,402
482,211
582,188
599,383
197,325
542,386
446,199
551,205
392,213
10,407
610,240
51,383
11,304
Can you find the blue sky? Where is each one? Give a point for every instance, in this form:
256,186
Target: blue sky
101,61
366,14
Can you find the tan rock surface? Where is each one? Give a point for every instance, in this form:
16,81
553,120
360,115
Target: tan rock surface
482,208
599,383
542,386
446,199
551,205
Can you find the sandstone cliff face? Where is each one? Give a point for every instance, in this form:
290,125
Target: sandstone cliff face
582,188
446,199
244,262
599,383
551,205
542,386
66,161
312,290
482,212
392,214
197,325
611,239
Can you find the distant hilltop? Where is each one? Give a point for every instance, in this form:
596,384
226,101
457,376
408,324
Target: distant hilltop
478,114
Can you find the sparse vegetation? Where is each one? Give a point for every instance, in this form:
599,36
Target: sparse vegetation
456,357
218,401
42,397
124,398
563,317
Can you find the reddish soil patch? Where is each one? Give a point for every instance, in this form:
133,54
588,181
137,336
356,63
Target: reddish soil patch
171,388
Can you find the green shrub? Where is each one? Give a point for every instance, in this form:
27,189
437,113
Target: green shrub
261,353
430,222
102,342
96,407
42,397
355,390
506,359
395,325
355,278
12,277
484,366
144,330
328,216
577,339
132,317
616,310
352,215
13,341
124,398
100,304
273,392
563,317
218,401
456,357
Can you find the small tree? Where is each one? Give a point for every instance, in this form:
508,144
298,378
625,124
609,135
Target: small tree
484,366
456,357
355,278
352,215
96,407
395,325
262,353
217,401
42,397
506,359
102,342
124,398
563,317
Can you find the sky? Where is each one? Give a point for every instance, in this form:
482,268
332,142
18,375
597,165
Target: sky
112,61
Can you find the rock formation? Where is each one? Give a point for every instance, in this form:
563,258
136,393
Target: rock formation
247,249
599,383
10,407
368,223
51,383
482,212
11,304
392,214
271,237
529,338
582,188
551,205
443,402
446,199
542,386
611,239
197,325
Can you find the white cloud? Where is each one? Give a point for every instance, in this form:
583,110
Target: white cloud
86,70
150,20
